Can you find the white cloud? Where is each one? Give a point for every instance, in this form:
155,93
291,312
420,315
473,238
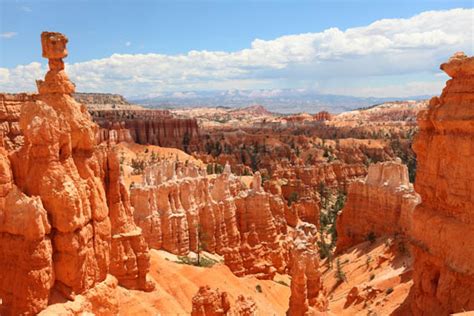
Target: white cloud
384,49
8,34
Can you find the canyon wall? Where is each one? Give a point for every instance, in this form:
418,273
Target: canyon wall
381,204
142,126
66,221
154,127
181,209
443,224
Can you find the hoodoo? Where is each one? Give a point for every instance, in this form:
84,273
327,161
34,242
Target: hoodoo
380,205
443,224
73,224
308,296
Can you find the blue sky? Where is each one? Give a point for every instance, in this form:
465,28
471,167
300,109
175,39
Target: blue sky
166,30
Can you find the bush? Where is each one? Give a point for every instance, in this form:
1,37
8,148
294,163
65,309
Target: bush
138,166
292,198
371,237
389,290
282,283
340,275
203,262
258,288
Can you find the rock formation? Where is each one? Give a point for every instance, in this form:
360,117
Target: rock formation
100,98
65,217
245,306
210,302
102,299
322,116
10,105
180,210
308,295
154,127
443,224
382,204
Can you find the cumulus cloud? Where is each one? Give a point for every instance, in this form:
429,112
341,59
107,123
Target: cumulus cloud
8,34
385,48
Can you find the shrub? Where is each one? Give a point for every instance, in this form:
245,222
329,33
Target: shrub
292,198
389,290
258,288
203,262
340,275
138,166
371,237
282,282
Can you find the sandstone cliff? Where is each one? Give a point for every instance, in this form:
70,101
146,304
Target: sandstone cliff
154,127
382,204
65,217
443,224
180,209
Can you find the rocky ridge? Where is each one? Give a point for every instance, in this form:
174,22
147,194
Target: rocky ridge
442,225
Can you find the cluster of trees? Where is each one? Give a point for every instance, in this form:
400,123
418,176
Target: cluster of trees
331,204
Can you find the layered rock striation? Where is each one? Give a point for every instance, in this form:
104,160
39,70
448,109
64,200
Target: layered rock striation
443,224
308,296
153,127
381,204
181,209
65,218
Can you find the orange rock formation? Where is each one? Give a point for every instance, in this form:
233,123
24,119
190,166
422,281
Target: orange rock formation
66,220
382,204
154,127
210,302
180,209
10,105
308,295
443,224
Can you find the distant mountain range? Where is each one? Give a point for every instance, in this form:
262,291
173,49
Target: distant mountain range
276,100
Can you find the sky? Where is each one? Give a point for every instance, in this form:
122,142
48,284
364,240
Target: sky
143,48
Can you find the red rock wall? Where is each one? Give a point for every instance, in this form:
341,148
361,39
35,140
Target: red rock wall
443,224
179,211
155,127
382,204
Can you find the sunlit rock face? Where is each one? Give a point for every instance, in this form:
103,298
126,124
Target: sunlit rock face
443,224
180,209
382,204
308,296
145,126
65,218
